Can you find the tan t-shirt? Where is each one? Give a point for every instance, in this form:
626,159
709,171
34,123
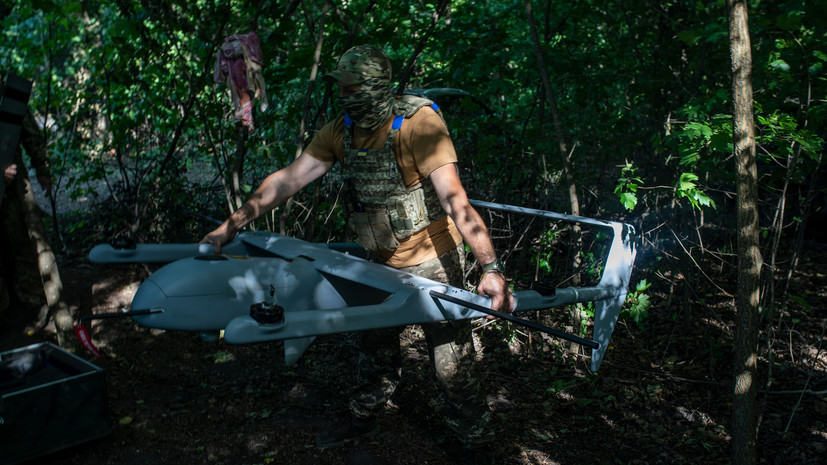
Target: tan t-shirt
421,145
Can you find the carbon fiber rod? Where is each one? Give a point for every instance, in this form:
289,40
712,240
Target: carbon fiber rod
506,316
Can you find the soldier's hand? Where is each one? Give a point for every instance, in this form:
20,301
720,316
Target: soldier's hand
495,286
218,237
10,172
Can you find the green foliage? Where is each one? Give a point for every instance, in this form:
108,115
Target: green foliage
800,301
136,121
586,311
592,262
542,254
781,139
560,385
636,307
687,188
627,186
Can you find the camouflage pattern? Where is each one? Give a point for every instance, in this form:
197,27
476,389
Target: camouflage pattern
379,371
391,211
388,211
407,105
453,365
369,68
360,64
21,279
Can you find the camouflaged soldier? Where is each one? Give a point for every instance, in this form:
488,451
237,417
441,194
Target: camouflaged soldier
410,211
20,280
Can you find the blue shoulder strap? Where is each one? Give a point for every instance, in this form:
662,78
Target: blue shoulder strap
397,120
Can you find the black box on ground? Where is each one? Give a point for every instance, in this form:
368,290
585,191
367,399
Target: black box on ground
49,400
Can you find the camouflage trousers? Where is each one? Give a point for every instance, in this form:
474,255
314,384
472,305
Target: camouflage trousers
452,356
19,261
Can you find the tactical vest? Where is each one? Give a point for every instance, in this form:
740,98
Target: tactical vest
383,211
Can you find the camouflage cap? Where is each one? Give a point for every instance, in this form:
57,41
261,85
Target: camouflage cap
361,63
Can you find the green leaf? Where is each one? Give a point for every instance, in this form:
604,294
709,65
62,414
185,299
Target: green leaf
806,305
688,36
790,21
698,129
703,199
780,65
721,141
687,181
643,301
689,156
629,200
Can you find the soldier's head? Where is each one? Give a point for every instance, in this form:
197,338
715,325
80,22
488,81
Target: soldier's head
364,79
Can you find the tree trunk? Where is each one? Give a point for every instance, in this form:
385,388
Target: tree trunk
749,255
49,273
242,134
565,156
303,129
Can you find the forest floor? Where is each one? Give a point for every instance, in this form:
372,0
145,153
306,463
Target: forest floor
662,396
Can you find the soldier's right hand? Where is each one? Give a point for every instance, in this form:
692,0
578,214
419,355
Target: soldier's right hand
218,237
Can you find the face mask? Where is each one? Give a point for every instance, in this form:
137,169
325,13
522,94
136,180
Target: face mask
371,107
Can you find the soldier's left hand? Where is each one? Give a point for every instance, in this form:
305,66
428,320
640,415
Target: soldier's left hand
10,172
495,286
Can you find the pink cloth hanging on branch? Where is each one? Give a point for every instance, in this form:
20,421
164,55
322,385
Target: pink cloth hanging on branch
238,64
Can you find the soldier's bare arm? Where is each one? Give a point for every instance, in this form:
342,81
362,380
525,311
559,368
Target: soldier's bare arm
470,225
272,192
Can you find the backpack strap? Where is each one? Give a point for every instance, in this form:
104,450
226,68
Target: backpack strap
397,119
410,106
397,122
405,107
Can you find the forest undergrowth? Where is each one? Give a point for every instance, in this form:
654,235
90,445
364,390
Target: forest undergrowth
662,395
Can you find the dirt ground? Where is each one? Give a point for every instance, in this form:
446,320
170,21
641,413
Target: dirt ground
663,396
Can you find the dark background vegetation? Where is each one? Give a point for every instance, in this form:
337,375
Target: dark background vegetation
638,102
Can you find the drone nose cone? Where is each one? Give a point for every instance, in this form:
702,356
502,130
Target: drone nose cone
149,296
